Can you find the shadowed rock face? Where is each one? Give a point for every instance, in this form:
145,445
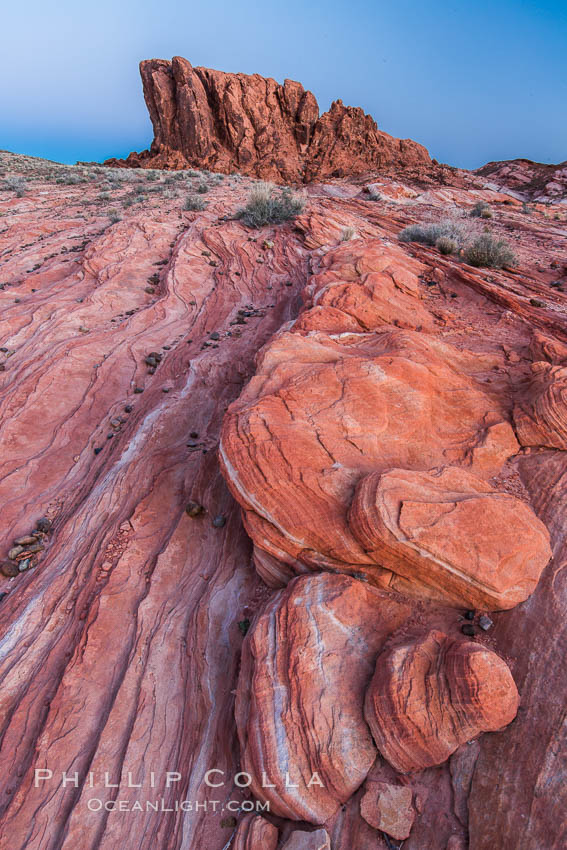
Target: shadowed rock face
253,125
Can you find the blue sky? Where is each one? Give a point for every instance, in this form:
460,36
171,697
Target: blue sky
473,81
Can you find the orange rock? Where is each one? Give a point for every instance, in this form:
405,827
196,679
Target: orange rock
388,808
428,696
268,130
541,415
255,833
449,530
316,639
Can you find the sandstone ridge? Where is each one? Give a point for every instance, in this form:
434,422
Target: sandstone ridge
253,125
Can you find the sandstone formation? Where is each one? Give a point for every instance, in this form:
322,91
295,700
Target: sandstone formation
255,833
388,808
540,415
252,124
450,530
124,338
429,696
315,640
535,180
345,395
317,840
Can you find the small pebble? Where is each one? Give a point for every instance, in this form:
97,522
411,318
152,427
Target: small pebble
2,596
215,335
469,615
536,302
138,390
97,450
43,524
150,290
194,435
24,565
165,389
193,509
219,521
128,408
28,540
289,283
14,552
485,623
9,569
468,629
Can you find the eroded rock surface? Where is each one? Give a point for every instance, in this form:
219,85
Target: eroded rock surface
120,640
313,647
253,125
429,696
451,531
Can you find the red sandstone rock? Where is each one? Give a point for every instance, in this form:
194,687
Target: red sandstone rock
534,180
253,125
255,833
317,840
313,647
451,531
120,650
540,415
388,808
429,696
328,407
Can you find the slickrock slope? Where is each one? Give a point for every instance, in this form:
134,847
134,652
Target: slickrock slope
428,697
253,125
129,330
534,180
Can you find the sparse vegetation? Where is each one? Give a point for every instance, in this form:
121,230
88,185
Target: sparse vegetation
348,234
430,234
373,195
202,188
446,245
194,204
487,251
17,184
267,205
481,210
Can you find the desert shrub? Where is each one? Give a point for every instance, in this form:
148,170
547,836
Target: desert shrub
202,188
266,205
192,173
373,195
114,216
429,234
348,234
192,202
16,184
488,251
446,245
481,210
71,179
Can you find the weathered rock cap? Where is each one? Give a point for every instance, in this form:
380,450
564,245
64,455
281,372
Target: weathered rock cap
428,696
451,531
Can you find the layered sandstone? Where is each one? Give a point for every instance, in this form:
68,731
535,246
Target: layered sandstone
255,833
429,696
540,414
314,641
345,395
450,530
252,124
122,636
